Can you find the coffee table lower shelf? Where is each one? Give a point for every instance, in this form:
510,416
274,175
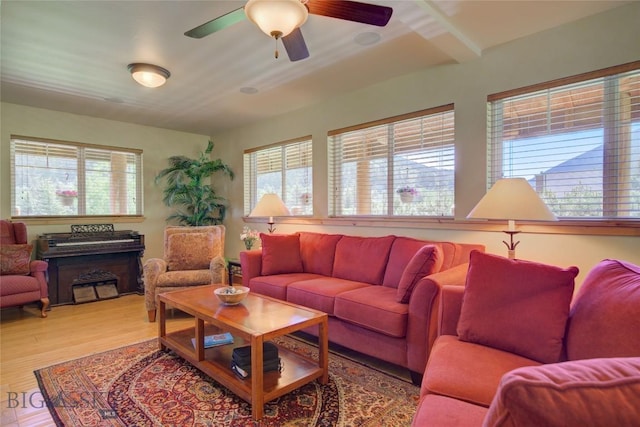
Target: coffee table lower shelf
297,369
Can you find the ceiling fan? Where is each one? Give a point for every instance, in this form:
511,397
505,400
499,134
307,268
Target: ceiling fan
281,19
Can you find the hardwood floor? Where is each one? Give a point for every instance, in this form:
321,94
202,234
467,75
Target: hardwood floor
28,342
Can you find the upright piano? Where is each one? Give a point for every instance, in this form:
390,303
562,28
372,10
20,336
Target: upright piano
91,250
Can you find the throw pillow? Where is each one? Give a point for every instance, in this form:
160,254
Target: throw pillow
190,251
517,306
425,262
15,259
280,254
594,392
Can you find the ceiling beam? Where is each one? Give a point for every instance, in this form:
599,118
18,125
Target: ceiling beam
454,42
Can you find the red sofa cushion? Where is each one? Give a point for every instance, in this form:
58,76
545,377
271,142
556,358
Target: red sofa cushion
605,316
468,371
438,411
373,307
320,293
275,285
595,392
317,251
362,259
280,254
517,306
426,261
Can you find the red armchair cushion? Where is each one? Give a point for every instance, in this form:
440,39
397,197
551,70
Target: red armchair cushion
597,392
280,254
517,306
426,261
15,259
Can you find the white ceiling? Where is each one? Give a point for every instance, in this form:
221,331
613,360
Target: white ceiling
72,55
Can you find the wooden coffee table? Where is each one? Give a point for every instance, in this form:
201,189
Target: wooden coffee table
255,320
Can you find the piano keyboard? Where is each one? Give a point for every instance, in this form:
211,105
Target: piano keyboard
95,242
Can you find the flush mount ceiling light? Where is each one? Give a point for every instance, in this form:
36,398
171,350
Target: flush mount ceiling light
276,18
148,75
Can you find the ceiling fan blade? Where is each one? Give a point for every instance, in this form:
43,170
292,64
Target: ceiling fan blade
295,46
217,24
351,11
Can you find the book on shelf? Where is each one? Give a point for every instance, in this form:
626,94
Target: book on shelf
215,340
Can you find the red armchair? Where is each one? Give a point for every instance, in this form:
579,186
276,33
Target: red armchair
22,280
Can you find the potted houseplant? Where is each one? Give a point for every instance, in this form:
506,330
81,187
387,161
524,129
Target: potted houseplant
186,189
406,193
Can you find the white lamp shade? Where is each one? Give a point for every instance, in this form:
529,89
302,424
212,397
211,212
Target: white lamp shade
270,205
149,75
279,17
512,199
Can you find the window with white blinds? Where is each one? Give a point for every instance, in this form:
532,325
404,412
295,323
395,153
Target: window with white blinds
66,179
401,166
576,140
284,168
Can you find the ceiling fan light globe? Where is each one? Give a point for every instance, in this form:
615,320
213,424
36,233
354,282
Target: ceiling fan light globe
276,16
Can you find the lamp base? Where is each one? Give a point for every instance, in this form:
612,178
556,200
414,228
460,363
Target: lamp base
511,246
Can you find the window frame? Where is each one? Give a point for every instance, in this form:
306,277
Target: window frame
496,144
251,190
393,209
83,177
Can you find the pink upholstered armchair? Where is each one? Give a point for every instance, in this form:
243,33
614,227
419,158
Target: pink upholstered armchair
22,280
193,256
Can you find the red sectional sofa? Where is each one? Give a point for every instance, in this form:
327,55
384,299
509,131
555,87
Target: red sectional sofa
514,350
381,293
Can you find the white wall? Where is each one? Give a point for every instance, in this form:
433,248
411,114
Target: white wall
609,39
157,145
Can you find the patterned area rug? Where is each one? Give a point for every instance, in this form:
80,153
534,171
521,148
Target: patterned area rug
139,385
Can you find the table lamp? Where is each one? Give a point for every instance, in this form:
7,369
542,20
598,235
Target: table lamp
270,205
512,199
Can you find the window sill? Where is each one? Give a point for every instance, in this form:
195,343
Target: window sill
574,227
56,220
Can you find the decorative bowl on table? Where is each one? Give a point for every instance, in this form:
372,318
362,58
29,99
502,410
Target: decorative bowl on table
231,295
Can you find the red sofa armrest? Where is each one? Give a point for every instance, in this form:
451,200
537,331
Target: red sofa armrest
423,313
251,264
449,311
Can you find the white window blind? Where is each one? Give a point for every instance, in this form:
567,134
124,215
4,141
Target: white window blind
286,169
576,140
58,178
401,166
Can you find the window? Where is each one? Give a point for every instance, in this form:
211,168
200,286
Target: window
285,169
401,166
56,178
576,140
